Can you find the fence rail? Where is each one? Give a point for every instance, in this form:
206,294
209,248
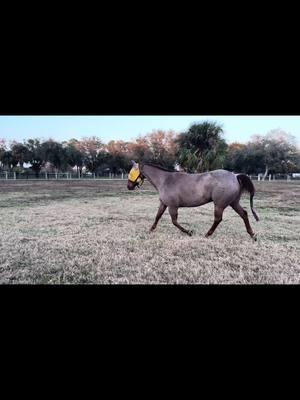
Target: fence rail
275,177
58,176
75,176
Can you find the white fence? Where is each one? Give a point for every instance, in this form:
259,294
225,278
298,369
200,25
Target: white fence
58,176
276,177
72,175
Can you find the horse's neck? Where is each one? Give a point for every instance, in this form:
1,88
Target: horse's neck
154,175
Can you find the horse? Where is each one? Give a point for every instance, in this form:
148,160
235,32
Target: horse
180,189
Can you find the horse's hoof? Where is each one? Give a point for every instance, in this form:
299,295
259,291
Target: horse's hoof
254,237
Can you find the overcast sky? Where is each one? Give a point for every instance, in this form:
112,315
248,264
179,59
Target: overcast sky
236,128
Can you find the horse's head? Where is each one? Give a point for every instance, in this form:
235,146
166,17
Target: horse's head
135,177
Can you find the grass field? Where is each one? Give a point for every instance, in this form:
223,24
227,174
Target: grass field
97,232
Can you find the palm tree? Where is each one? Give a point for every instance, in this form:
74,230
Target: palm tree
201,148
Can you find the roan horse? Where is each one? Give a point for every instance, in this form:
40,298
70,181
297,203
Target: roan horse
179,189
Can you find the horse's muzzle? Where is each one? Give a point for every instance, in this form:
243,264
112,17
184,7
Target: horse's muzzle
130,186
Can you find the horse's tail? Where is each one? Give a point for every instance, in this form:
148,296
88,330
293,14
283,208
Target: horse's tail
246,184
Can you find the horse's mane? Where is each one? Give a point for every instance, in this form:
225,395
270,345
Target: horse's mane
159,167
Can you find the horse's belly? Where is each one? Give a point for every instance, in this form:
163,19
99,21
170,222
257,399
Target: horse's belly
194,202
185,197
194,199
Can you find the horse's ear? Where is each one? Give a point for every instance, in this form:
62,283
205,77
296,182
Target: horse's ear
134,164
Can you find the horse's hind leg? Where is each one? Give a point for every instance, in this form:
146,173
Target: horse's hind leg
218,218
244,215
174,215
161,210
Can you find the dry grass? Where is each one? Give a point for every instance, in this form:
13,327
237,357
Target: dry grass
97,232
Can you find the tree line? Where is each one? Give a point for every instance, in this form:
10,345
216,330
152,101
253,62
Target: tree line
201,148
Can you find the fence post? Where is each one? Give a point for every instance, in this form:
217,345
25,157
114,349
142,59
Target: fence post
15,176
46,176
6,175
270,176
94,175
122,175
55,175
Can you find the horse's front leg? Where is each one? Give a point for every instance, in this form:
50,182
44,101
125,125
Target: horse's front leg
174,215
161,210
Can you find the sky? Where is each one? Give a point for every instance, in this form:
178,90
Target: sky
127,128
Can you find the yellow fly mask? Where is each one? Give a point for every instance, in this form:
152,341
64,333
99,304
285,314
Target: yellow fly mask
135,176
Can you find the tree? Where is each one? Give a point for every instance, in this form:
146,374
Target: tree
35,155
2,145
117,158
21,153
90,148
2,149
8,159
202,147
54,153
163,147
277,152
159,147
74,156
139,150
235,157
